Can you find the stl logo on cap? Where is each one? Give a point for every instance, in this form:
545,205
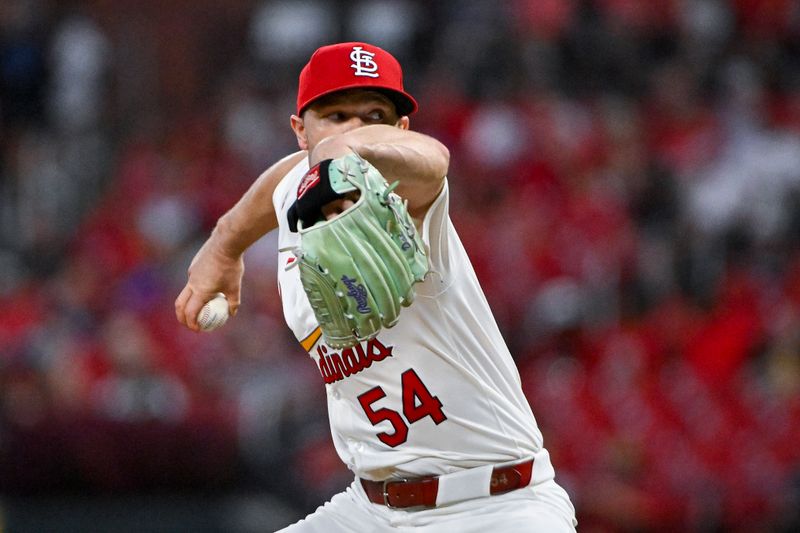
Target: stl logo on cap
363,63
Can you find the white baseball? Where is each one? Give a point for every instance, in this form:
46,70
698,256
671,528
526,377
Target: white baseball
214,313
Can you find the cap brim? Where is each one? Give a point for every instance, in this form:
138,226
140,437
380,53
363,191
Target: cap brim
403,102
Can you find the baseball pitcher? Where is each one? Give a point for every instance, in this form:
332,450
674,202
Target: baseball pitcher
424,399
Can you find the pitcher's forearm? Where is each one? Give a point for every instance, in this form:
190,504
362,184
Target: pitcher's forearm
392,150
254,214
420,162
235,232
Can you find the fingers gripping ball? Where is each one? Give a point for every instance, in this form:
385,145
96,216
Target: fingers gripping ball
359,269
214,313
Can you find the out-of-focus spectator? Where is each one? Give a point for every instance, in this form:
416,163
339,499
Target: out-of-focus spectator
286,32
80,61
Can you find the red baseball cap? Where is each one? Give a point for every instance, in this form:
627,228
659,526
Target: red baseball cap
353,65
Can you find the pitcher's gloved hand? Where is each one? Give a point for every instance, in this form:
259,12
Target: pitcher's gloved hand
359,268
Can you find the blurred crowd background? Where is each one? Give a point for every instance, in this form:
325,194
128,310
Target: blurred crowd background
625,176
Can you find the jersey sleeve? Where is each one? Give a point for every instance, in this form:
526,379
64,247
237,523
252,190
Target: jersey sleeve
435,232
296,309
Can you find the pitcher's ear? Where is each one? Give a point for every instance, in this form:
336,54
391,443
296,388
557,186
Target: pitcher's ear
299,128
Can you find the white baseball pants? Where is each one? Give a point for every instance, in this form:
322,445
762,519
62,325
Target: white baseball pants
541,507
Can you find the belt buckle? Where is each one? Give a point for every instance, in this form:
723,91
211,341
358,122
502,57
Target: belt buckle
386,492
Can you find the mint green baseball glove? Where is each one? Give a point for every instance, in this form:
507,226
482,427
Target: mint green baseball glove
358,269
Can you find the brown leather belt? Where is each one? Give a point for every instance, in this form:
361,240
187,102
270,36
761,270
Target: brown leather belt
422,492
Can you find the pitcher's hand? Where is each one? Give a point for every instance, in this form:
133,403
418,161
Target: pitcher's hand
210,272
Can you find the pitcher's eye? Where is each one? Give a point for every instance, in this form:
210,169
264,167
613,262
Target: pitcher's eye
376,115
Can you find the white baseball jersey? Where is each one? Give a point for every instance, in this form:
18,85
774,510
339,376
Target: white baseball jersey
438,392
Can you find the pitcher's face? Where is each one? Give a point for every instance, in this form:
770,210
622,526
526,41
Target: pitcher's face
342,112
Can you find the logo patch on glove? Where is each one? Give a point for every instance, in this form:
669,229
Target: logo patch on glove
309,181
358,292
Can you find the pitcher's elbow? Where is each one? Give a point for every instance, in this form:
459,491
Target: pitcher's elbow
442,163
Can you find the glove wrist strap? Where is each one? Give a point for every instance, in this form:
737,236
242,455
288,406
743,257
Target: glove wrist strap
313,192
